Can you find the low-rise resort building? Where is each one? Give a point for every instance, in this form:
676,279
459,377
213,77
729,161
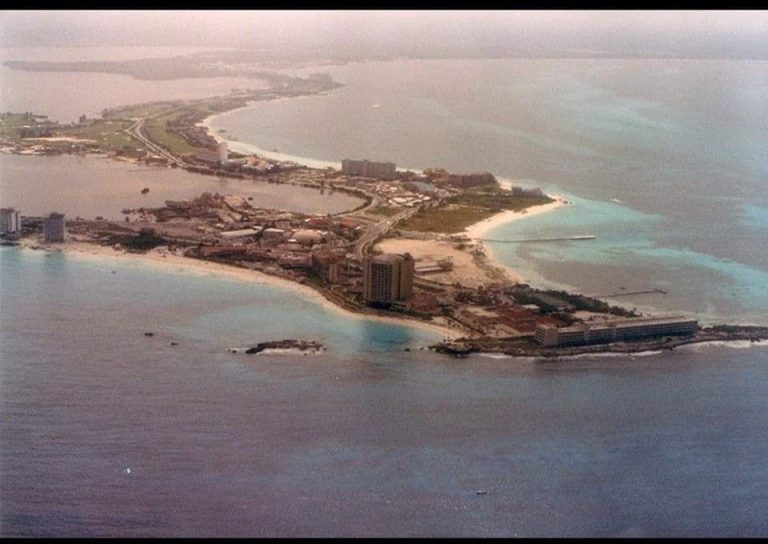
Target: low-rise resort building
613,331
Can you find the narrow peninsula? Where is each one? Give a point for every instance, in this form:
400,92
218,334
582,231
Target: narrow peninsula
413,250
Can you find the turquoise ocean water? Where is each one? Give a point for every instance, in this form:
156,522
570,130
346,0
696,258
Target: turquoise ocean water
662,160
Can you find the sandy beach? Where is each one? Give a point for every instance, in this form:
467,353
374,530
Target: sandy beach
162,258
248,148
63,139
464,271
480,229
253,149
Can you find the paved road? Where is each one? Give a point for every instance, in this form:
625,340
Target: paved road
375,203
373,232
377,229
137,131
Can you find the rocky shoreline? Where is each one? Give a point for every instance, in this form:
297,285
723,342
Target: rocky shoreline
527,348
290,345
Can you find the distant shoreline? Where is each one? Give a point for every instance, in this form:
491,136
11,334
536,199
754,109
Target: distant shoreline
255,149
252,148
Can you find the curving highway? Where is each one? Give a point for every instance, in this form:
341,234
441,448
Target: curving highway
137,131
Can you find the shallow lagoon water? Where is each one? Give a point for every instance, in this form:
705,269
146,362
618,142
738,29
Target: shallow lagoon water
91,186
632,253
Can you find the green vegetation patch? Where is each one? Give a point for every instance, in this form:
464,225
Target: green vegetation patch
384,210
466,209
13,125
109,135
10,120
498,200
139,111
143,241
447,219
737,328
157,130
549,299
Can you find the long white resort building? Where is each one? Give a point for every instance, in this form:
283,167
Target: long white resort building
613,331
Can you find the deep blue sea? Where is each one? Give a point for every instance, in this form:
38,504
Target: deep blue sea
107,432
365,440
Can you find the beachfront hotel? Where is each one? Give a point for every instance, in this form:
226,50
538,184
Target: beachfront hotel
614,331
368,169
222,152
388,278
53,228
10,221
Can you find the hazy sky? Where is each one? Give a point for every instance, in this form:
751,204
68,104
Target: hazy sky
400,32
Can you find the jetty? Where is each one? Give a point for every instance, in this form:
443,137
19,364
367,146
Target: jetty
629,293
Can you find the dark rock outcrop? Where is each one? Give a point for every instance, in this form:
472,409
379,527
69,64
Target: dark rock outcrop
457,349
298,345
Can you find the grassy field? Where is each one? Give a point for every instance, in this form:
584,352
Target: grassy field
157,132
446,219
498,201
10,123
140,110
464,210
384,210
109,135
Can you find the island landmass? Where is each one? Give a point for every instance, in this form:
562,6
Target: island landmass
413,251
